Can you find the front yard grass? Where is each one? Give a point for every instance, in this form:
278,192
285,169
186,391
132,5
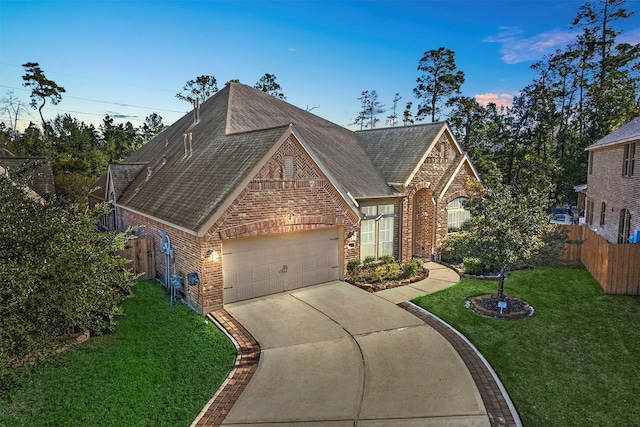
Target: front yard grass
159,368
576,362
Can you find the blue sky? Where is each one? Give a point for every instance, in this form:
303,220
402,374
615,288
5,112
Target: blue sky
129,59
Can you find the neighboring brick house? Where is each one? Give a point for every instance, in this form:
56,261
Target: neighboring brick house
613,184
257,196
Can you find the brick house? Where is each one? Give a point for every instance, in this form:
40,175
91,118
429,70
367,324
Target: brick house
613,184
257,196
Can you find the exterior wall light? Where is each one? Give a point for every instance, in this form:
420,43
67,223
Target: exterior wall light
213,255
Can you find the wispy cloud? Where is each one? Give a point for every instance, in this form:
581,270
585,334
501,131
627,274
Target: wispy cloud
517,48
632,37
500,99
117,115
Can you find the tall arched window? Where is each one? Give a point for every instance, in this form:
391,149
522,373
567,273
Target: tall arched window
458,215
603,210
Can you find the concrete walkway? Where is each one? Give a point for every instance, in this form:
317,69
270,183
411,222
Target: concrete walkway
440,277
335,355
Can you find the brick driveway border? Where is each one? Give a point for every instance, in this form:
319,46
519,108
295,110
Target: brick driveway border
248,356
501,411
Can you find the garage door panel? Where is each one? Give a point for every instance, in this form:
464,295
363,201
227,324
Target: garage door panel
266,265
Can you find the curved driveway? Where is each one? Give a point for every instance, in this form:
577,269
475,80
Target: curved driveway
334,355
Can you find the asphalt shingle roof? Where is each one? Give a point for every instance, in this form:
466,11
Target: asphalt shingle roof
397,151
626,133
184,183
38,167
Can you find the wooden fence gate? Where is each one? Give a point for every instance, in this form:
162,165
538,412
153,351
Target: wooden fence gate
142,256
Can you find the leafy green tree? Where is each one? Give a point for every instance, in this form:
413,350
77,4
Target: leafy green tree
41,88
118,140
202,88
507,229
57,274
441,80
151,127
268,84
466,120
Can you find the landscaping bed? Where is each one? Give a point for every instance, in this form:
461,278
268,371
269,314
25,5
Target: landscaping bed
375,275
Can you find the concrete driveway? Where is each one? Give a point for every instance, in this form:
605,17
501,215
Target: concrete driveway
335,355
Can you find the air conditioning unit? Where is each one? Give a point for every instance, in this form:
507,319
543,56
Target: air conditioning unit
635,237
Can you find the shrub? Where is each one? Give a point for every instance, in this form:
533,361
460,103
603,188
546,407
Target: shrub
412,267
454,247
393,270
473,265
353,269
379,273
387,259
368,262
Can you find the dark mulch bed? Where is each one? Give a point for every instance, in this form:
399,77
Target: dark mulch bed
487,305
389,284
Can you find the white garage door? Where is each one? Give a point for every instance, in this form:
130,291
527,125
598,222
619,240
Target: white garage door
253,267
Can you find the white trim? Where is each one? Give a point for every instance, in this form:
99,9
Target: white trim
464,160
161,221
224,205
346,196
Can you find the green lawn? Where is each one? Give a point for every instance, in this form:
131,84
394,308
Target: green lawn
576,362
159,368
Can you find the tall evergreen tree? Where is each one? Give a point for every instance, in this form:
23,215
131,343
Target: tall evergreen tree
41,88
440,80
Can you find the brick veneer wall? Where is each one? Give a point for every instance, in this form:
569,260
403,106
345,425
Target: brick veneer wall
262,208
420,205
606,184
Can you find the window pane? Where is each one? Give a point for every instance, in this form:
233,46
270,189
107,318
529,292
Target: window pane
368,210
385,236
385,209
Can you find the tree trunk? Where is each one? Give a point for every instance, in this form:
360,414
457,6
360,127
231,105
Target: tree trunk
501,286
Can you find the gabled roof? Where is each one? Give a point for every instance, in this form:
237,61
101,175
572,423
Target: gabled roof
626,133
39,167
122,175
447,178
185,180
336,147
398,152
188,174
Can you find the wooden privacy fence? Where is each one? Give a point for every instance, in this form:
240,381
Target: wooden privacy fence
142,256
615,266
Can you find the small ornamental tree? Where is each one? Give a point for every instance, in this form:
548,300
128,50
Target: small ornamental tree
507,229
58,275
